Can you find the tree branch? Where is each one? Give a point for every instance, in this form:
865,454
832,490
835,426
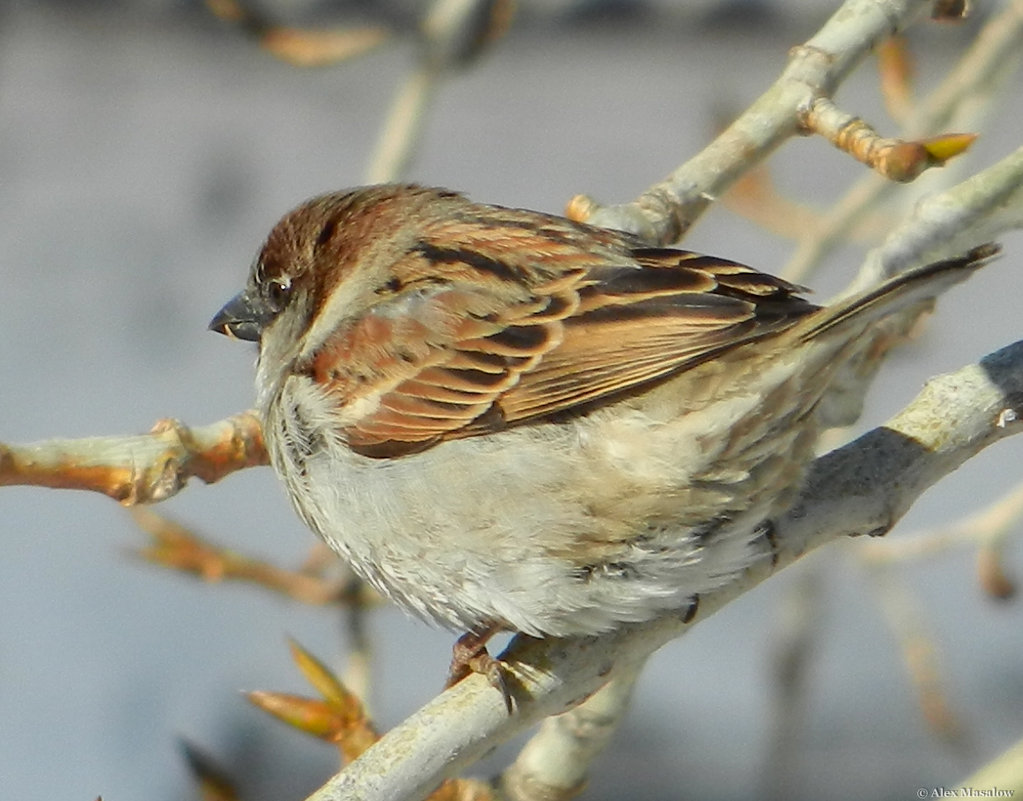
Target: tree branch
141,469
665,211
971,84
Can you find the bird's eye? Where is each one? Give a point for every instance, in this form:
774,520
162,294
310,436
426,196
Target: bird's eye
277,292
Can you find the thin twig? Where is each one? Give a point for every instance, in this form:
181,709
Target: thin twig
665,211
177,547
972,83
143,469
986,526
794,644
920,655
453,35
297,46
401,131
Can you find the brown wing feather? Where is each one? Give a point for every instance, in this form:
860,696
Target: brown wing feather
639,325
455,360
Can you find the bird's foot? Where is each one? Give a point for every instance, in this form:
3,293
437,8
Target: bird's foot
469,655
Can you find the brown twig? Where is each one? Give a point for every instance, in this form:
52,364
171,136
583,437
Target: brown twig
895,71
296,46
453,35
895,159
138,469
337,716
755,197
968,87
178,548
666,210
920,655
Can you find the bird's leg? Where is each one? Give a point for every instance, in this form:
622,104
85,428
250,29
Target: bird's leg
469,655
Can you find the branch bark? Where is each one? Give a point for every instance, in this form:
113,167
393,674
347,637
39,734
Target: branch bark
665,211
143,469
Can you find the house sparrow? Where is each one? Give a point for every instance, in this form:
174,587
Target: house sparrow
508,420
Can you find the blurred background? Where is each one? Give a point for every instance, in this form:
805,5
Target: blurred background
145,150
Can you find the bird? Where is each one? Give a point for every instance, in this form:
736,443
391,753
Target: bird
506,420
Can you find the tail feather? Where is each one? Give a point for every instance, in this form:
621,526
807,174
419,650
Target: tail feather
897,293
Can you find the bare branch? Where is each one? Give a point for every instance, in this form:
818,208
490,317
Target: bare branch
176,547
944,225
976,210
665,211
895,159
977,529
921,656
296,46
993,54
142,469
401,131
553,765
454,33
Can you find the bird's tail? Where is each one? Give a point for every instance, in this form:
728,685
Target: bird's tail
923,283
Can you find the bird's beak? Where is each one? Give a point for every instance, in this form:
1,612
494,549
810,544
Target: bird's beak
243,317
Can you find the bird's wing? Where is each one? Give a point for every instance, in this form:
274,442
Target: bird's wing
457,357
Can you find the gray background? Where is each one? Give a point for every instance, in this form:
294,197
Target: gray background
146,148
